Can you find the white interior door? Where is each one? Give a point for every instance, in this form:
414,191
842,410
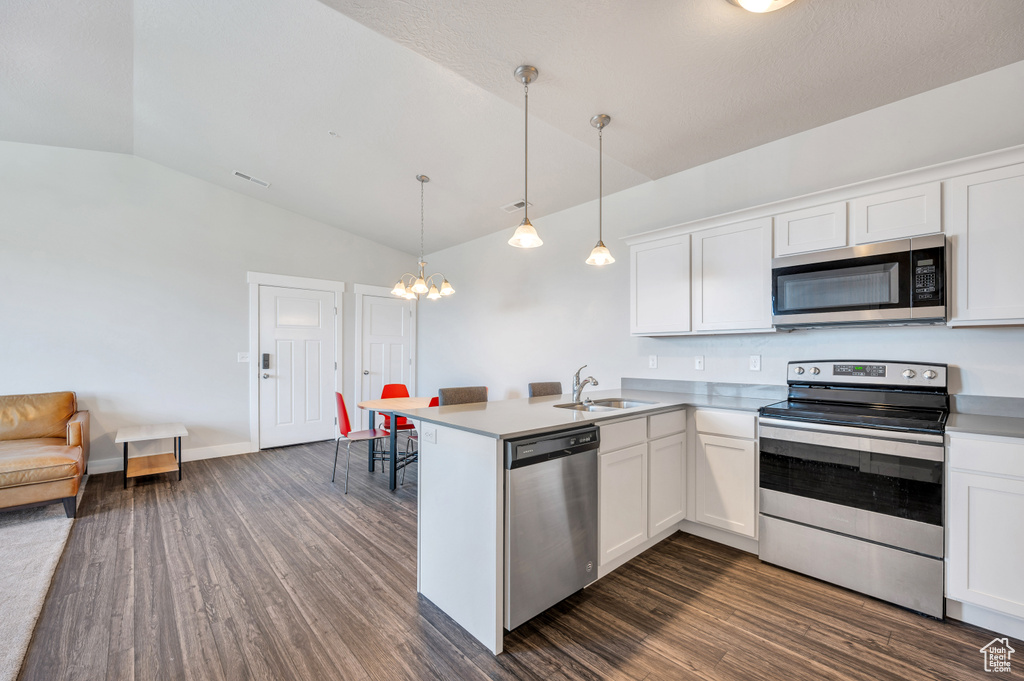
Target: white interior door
387,347
297,361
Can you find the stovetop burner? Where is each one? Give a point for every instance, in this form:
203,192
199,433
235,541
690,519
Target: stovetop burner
902,396
863,415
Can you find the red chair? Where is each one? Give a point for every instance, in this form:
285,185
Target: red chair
346,433
395,390
411,453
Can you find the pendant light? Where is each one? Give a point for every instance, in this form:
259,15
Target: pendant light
526,236
761,6
600,255
418,283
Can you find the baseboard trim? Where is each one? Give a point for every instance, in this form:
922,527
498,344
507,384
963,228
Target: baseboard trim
112,465
619,561
721,536
997,622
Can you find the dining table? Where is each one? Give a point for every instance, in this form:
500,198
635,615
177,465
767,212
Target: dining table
389,406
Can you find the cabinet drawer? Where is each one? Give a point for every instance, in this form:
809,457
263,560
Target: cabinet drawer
667,424
623,434
728,423
1001,457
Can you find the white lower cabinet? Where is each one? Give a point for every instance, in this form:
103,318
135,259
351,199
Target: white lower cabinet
642,481
984,507
726,480
666,485
623,501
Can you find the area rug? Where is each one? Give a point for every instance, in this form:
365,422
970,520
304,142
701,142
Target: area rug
31,543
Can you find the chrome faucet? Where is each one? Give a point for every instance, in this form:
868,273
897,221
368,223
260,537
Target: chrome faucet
577,385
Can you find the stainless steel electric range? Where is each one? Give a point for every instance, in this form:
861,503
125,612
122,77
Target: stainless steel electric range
851,478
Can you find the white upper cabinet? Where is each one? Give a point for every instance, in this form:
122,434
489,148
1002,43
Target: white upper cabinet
811,229
985,223
660,286
898,214
732,287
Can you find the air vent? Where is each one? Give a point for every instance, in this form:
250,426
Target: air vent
255,180
515,206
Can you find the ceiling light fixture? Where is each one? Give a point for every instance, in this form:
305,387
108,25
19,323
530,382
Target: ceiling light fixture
418,283
761,6
526,236
600,255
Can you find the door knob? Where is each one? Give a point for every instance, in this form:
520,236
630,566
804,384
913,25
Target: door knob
266,375
366,372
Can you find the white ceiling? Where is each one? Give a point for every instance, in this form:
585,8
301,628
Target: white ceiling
425,86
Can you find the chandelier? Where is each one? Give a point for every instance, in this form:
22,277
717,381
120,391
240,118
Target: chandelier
420,284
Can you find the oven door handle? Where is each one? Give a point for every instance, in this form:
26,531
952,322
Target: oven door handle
856,443
856,431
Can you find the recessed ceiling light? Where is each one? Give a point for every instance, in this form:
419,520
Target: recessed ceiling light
761,6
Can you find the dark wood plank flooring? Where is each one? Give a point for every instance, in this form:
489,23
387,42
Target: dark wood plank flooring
257,567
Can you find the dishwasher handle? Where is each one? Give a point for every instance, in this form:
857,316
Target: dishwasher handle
538,449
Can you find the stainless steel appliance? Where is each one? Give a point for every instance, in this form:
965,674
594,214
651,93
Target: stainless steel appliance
550,520
851,478
891,282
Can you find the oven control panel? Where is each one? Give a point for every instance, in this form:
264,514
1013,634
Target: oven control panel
846,372
874,370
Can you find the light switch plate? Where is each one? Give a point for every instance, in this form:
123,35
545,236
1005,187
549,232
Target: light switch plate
652,362
243,358
755,362
698,362
430,435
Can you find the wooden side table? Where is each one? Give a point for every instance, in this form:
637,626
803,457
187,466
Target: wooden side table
151,464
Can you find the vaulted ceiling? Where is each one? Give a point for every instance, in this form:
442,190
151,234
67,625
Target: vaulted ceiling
208,87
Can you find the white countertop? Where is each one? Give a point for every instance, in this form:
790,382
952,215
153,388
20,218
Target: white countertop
527,416
1004,426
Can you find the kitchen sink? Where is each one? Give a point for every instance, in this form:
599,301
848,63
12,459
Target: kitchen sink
607,404
585,406
616,403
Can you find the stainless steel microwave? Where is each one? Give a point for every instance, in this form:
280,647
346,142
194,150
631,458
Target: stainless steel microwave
888,283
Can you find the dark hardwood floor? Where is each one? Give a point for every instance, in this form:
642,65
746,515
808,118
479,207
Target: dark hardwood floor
257,567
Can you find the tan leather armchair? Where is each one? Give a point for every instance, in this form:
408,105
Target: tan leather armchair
44,450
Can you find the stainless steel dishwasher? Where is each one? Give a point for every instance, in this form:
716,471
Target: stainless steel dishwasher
550,520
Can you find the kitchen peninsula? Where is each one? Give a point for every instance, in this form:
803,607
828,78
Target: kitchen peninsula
461,505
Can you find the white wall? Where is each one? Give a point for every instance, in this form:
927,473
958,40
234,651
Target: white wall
125,282
522,316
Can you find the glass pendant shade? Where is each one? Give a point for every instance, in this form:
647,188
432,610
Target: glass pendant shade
433,295
409,295
420,286
526,236
446,288
761,6
399,289
600,255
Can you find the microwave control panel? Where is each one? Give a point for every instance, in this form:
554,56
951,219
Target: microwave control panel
927,276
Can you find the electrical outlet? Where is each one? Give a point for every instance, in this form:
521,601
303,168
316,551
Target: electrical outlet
698,362
243,358
430,435
755,362
652,362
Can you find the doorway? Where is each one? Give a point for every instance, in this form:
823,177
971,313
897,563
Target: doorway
385,344
295,333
